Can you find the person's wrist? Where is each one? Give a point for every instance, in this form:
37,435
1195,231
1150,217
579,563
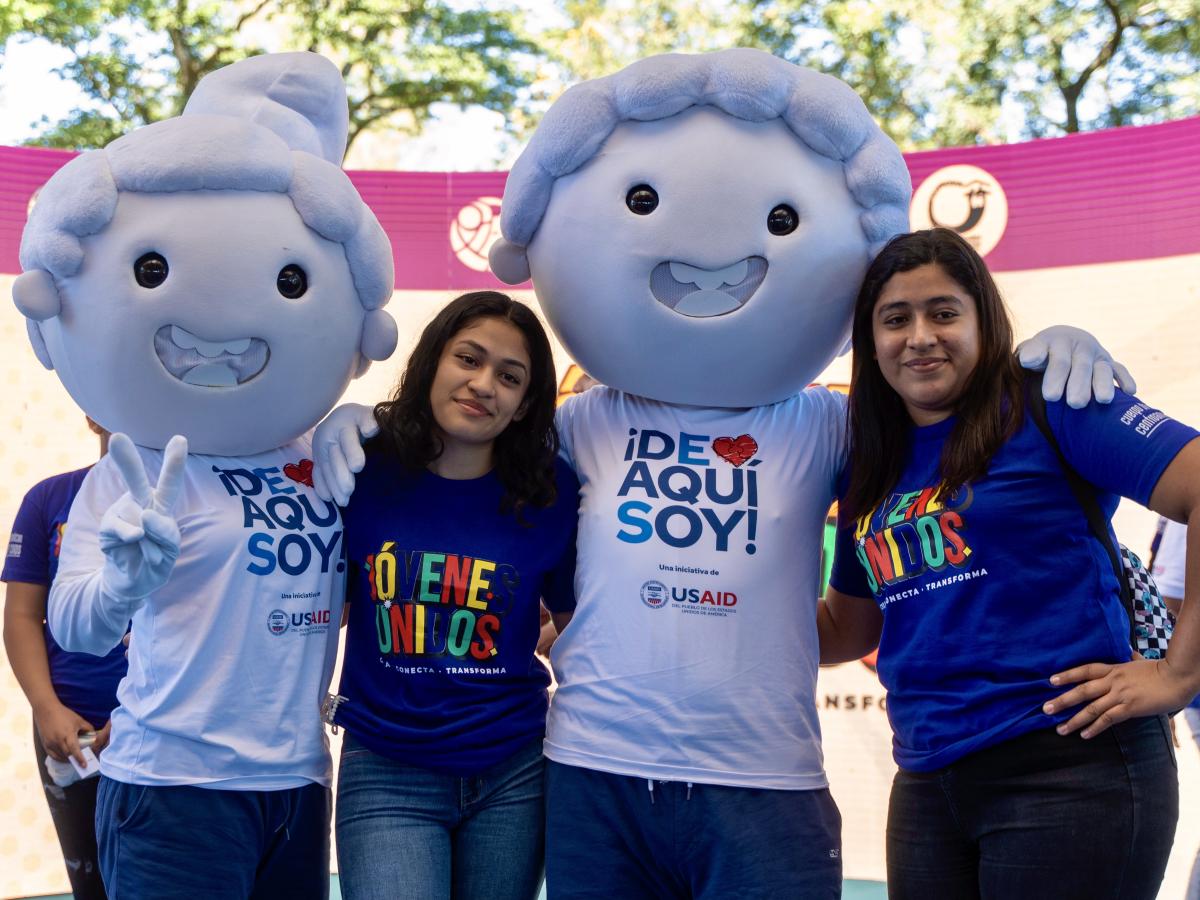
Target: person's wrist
44,706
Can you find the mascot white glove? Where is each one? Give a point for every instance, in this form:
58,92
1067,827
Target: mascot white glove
1064,351
138,534
337,450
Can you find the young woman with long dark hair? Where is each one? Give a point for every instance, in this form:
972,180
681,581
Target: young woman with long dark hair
463,519
963,551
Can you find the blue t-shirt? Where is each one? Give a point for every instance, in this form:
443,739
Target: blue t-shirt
439,669
84,683
988,593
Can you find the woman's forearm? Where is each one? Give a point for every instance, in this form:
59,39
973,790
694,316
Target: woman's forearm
25,641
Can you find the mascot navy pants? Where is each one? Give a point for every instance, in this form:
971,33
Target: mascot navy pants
163,843
611,836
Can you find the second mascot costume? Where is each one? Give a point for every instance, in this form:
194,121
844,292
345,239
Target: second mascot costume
696,228
214,276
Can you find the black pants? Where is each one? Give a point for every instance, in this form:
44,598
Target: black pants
1039,817
73,811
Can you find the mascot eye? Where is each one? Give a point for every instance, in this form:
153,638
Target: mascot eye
642,200
292,282
150,270
782,220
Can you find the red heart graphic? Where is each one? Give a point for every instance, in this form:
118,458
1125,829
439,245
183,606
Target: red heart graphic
300,473
735,450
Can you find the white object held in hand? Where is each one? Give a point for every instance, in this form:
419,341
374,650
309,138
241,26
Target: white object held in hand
138,534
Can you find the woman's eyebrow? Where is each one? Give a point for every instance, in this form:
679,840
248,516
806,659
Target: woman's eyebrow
480,350
926,301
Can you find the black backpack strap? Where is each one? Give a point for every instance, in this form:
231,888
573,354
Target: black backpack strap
1085,494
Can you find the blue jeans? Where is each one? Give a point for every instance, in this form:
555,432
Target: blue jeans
617,837
406,832
182,843
1039,817
1192,714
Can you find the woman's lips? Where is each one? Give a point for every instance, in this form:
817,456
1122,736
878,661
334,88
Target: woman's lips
925,365
471,408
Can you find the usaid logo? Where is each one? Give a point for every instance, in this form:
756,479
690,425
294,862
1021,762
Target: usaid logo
654,594
965,199
474,230
277,622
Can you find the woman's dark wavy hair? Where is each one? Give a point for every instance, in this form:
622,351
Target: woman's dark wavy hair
525,451
991,405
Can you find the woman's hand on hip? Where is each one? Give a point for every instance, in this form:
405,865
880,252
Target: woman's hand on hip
1113,693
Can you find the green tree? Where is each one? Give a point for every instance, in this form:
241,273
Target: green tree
942,72
602,36
138,61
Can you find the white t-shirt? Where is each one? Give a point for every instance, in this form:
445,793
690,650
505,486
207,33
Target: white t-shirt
229,660
1170,559
692,654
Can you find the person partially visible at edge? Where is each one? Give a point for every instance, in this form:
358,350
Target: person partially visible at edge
463,521
1168,557
70,693
963,551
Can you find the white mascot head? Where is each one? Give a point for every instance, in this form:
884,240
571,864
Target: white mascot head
697,227
214,275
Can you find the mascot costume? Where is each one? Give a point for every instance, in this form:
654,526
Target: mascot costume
696,229
207,286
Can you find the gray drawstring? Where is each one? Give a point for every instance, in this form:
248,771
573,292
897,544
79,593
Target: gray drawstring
650,785
689,793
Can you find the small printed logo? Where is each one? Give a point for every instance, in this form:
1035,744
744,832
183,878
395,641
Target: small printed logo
14,545
654,594
965,199
277,622
474,230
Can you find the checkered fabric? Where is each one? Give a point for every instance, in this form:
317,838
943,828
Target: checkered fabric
1153,622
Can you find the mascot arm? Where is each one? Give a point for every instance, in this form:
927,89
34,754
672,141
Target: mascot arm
337,450
108,567
1073,358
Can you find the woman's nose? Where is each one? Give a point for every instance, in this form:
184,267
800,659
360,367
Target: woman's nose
483,382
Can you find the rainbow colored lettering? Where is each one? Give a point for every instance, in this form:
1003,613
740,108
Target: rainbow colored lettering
910,534
438,604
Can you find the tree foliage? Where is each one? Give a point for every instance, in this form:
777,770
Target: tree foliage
138,61
942,72
933,72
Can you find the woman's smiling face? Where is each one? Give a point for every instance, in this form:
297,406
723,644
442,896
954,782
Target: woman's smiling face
480,383
926,331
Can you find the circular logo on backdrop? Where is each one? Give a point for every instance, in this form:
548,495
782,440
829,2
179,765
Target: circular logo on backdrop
277,621
474,230
963,198
654,594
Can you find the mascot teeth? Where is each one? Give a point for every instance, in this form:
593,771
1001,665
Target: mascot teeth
699,293
194,360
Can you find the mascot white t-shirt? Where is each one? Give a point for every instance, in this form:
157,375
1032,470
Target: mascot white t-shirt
692,655
232,652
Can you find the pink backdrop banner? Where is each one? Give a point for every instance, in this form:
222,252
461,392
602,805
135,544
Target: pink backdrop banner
1106,196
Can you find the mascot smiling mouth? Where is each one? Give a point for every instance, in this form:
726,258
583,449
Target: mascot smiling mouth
701,293
193,360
